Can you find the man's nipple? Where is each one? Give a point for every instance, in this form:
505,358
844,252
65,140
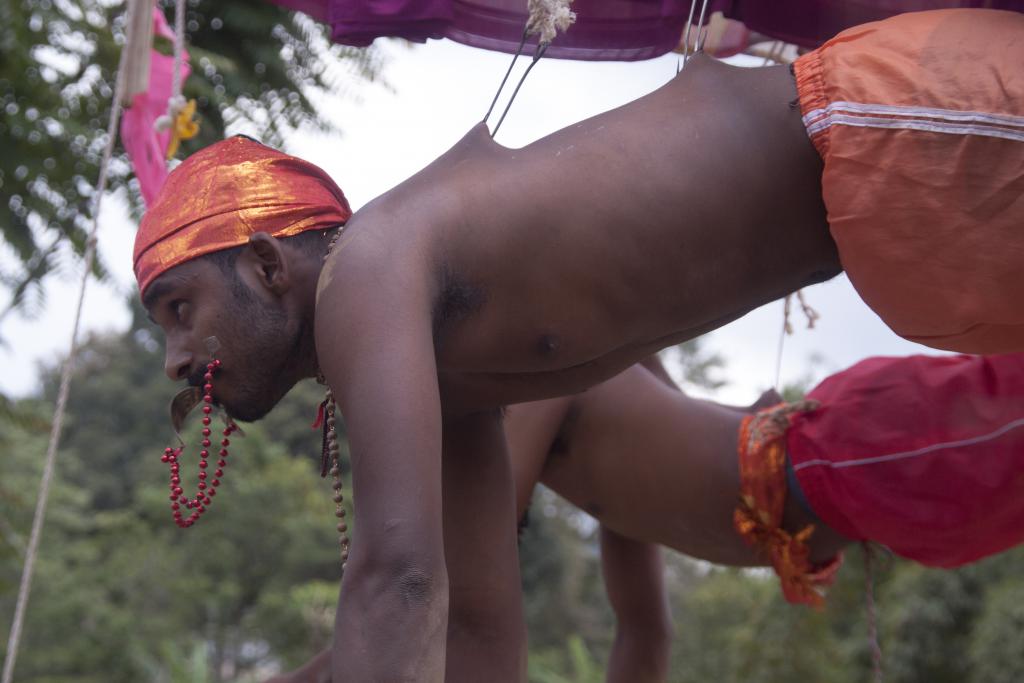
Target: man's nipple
548,344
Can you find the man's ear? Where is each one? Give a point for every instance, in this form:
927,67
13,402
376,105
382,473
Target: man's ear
264,257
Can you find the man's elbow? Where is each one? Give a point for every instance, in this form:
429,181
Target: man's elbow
411,582
420,586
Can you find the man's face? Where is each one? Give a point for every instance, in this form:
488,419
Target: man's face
258,345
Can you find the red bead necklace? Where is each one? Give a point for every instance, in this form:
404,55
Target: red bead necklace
206,488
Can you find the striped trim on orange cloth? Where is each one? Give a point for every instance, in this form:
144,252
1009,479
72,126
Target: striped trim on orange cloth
929,119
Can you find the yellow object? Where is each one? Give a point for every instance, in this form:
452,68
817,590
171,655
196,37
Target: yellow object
184,127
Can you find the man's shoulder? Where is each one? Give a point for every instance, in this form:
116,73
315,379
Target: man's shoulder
364,273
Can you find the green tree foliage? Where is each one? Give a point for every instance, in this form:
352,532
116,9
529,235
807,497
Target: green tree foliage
126,594
122,595
700,368
997,640
255,66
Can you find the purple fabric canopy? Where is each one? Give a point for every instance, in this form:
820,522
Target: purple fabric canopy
809,23
604,30
625,30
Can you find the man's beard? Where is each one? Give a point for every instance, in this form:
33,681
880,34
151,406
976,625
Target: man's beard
268,351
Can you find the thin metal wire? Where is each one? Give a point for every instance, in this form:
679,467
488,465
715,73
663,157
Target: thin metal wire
65,386
701,29
774,55
519,51
686,33
541,49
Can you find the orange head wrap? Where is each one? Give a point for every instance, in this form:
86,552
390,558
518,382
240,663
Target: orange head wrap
224,193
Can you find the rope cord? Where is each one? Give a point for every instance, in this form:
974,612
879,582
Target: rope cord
65,385
872,612
810,314
787,328
179,46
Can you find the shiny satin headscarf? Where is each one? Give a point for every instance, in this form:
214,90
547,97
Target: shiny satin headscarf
224,193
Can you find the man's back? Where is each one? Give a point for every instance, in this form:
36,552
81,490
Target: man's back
545,276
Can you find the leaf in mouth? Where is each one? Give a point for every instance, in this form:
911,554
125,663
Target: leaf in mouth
182,404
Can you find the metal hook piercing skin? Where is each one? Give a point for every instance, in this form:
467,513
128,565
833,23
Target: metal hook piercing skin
519,51
541,49
686,33
702,32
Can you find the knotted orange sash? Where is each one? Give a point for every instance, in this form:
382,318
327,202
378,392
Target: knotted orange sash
758,517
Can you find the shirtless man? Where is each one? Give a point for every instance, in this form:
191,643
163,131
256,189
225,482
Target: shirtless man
497,276
656,467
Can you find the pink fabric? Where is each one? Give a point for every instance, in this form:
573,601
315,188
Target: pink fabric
605,29
146,147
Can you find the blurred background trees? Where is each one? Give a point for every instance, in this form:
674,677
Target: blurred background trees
254,66
122,595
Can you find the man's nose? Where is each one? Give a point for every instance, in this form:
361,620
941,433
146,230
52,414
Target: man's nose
177,363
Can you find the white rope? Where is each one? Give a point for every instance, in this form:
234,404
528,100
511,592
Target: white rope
138,46
65,385
787,328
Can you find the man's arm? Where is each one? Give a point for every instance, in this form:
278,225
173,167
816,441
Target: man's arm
633,577
486,630
375,346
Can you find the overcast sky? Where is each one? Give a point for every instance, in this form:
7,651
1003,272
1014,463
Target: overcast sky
436,93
